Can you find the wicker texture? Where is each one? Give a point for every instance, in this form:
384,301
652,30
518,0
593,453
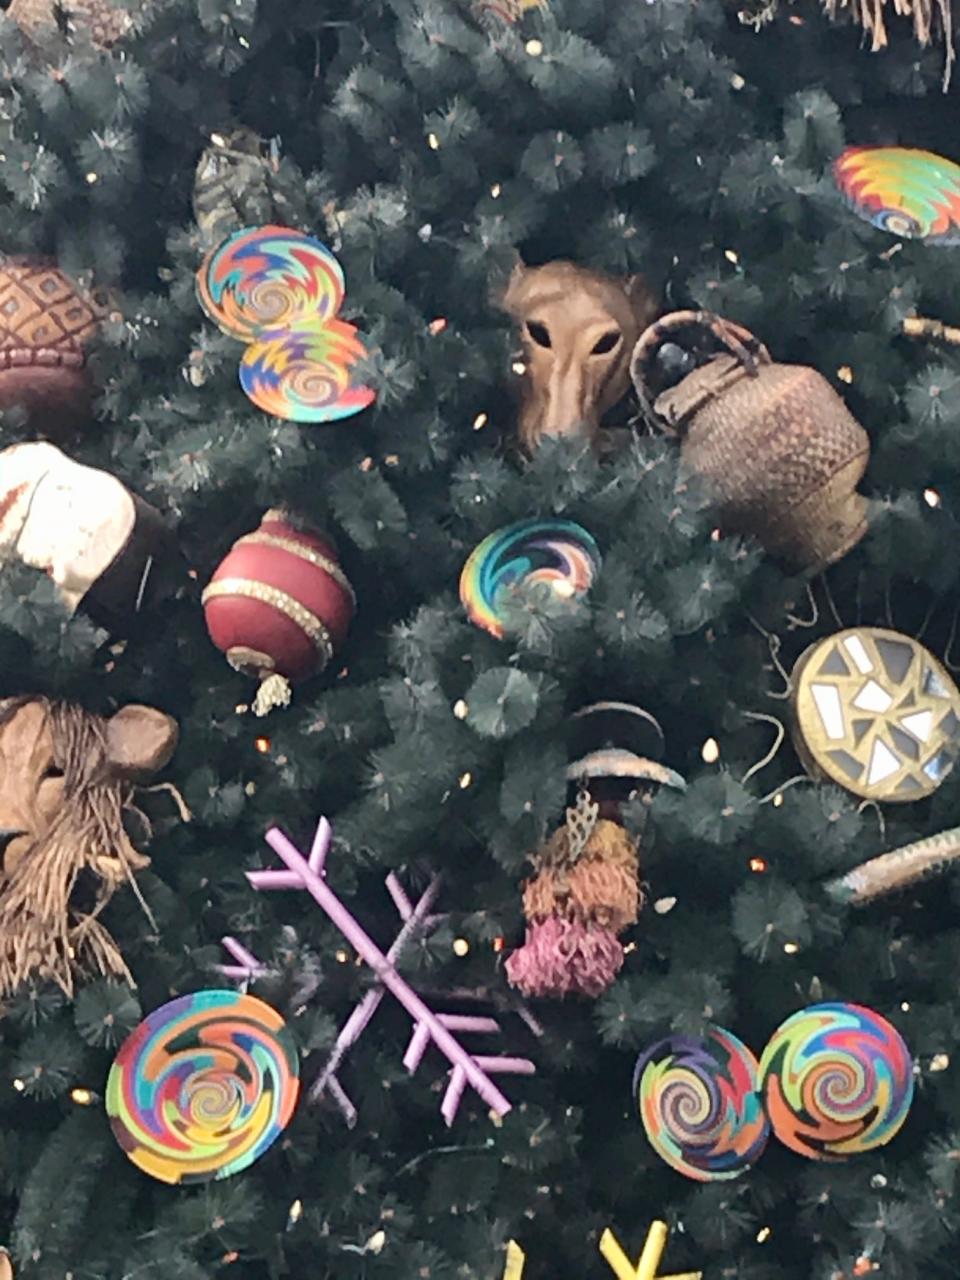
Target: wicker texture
103,22
779,452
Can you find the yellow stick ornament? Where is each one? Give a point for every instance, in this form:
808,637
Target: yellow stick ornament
646,1268
515,1260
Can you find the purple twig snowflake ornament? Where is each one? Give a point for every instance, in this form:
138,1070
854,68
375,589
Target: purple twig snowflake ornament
307,872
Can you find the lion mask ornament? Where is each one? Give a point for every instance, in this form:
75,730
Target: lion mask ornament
578,329
66,779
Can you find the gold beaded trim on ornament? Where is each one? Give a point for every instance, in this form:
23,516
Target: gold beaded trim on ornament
305,553
293,609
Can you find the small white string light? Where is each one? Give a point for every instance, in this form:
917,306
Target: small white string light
763,1235
461,947
433,142
710,751
460,709
465,779
480,421
932,498
791,948
534,48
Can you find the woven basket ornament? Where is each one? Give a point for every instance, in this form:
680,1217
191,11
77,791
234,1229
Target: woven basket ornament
779,452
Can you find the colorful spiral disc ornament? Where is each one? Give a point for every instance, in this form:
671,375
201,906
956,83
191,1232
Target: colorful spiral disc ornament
700,1105
203,1087
836,1080
910,193
558,553
303,374
269,278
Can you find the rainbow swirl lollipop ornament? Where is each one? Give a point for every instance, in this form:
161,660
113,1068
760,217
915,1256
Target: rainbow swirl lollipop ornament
304,373
558,553
836,1080
910,193
203,1087
279,291
268,278
700,1105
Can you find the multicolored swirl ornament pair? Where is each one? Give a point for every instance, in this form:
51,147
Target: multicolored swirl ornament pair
835,1080
279,291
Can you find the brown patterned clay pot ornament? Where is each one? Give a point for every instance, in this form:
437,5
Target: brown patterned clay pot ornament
778,450
578,329
46,323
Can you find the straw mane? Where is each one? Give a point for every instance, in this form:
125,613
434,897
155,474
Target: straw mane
42,933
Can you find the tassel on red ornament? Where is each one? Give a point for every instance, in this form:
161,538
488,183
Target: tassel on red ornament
279,606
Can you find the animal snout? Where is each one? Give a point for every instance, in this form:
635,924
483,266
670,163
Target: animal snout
566,409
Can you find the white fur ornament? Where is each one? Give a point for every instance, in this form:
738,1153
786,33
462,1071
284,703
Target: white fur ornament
81,526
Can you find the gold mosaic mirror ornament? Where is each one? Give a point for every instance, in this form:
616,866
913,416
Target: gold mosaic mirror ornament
876,713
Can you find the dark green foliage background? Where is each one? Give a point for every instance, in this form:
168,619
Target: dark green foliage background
646,136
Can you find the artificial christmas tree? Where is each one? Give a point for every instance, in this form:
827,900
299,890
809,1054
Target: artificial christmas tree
430,145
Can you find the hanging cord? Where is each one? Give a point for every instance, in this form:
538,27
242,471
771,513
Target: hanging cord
177,798
775,643
926,621
802,622
781,734
952,666
833,608
790,782
881,822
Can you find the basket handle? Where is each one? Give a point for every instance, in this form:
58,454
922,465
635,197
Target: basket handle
740,342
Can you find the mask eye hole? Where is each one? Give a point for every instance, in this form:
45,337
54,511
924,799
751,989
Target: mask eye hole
539,333
51,772
606,343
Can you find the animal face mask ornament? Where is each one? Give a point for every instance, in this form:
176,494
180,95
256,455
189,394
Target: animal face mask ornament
66,778
578,329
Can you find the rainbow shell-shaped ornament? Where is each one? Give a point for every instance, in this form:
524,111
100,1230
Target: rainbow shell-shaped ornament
910,193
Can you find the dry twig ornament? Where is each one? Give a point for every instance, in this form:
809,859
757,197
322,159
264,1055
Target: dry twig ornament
67,777
934,330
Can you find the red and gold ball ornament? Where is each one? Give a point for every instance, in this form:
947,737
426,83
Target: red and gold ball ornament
279,606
